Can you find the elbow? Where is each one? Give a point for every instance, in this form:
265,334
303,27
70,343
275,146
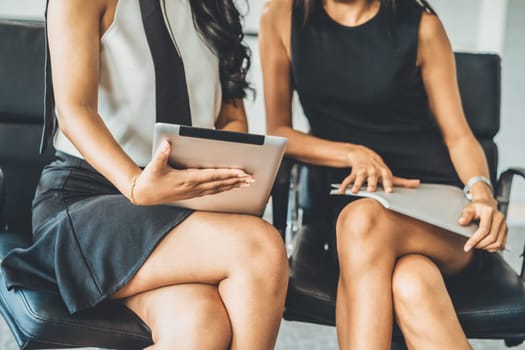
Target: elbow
68,116
64,117
272,130
277,130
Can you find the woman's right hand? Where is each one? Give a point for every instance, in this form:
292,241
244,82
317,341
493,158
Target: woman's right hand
368,167
159,183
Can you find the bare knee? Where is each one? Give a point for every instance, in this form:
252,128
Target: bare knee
415,280
358,219
262,254
360,228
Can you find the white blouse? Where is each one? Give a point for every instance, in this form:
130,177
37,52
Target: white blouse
126,94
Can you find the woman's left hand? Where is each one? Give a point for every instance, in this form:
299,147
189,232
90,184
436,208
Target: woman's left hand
492,232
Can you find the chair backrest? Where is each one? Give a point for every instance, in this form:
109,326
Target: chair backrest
479,79
21,117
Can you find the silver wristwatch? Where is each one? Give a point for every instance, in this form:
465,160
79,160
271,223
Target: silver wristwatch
473,181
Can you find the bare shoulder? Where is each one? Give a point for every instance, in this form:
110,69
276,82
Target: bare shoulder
78,6
276,24
276,14
93,15
431,28
433,41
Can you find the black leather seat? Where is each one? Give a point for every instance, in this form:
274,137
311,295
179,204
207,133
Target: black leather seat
39,320
490,304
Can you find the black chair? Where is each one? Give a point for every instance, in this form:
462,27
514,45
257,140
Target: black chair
490,305
39,320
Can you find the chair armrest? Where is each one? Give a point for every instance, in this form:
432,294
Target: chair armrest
280,192
2,189
504,186
503,195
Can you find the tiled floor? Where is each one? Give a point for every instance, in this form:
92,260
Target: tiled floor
302,336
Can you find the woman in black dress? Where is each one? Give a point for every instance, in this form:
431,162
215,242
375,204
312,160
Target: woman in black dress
199,280
377,82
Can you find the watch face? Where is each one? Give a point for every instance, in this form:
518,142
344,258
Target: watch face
475,180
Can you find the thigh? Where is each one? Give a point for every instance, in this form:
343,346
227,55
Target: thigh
205,248
445,248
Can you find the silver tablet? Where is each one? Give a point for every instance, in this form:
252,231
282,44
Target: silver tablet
258,155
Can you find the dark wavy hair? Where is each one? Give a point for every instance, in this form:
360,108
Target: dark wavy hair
310,6
219,22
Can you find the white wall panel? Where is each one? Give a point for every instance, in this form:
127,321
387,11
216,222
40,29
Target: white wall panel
27,9
511,138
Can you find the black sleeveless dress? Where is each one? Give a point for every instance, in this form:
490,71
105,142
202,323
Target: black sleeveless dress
362,85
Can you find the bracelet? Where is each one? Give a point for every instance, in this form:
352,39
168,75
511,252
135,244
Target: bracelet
473,181
132,190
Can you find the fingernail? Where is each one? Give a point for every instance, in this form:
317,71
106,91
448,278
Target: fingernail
250,181
165,146
245,185
468,247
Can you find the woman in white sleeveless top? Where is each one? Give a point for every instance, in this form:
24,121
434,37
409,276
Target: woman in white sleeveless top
101,229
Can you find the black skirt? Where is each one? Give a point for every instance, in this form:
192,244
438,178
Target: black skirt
88,239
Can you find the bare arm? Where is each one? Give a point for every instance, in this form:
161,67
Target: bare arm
275,59
75,28
367,166
439,75
232,117
74,36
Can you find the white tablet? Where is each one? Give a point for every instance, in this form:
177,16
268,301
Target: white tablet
436,204
258,155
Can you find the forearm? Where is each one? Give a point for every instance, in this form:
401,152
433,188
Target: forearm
314,150
87,131
469,160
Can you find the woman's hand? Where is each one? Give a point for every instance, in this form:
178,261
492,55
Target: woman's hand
368,167
492,232
160,184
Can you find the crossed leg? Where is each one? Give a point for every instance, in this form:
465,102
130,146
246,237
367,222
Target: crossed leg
243,260
186,316
370,240
423,308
